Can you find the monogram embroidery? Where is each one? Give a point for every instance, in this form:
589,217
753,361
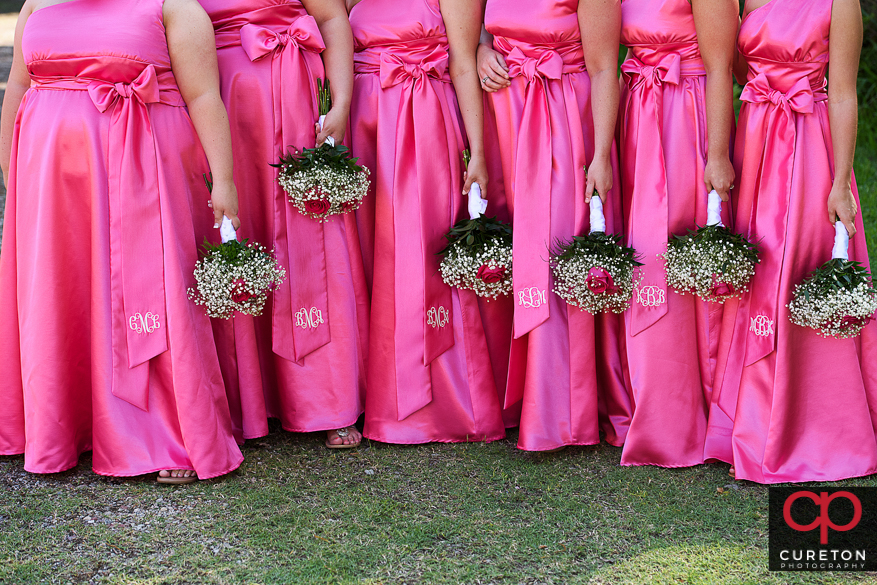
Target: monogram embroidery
309,319
144,323
532,298
437,317
761,325
651,296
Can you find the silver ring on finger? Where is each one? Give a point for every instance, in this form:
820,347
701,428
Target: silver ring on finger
486,77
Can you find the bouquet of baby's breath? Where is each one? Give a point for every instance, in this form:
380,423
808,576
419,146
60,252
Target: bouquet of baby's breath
325,180
837,300
478,256
711,262
595,272
234,276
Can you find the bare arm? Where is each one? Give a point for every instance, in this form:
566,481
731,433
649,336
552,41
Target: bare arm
193,58
845,46
715,21
16,86
600,25
463,25
331,17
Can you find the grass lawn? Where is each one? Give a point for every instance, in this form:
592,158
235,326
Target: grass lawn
298,513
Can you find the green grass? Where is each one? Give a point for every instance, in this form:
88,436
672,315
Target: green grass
298,513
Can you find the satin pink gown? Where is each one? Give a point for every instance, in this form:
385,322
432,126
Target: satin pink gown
99,347
545,137
663,143
308,374
789,405
429,374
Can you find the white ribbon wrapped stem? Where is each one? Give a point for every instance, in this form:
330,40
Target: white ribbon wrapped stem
329,139
477,205
598,220
227,231
714,209
841,242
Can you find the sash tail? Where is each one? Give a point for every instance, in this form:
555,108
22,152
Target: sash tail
300,318
770,219
422,190
646,84
532,185
139,323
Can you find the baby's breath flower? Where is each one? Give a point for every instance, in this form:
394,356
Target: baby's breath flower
479,257
235,276
713,263
837,300
595,273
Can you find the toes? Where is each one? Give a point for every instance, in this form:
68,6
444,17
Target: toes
164,473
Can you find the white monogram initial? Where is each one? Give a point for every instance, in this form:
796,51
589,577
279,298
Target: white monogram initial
437,317
309,319
761,325
651,296
144,323
532,297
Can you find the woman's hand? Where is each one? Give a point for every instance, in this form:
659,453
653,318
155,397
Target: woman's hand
224,201
335,125
842,206
719,176
492,70
476,173
599,178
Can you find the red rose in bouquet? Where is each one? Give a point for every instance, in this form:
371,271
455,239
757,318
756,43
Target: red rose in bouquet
317,206
599,281
721,289
491,275
240,293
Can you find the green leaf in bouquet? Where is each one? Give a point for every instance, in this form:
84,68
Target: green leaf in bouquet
337,157
599,243
475,233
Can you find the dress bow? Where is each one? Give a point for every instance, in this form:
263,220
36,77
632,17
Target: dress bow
395,71
144,89
259,41
548,65
668,70
798,99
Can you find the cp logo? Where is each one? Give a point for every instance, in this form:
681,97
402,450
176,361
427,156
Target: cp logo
823,522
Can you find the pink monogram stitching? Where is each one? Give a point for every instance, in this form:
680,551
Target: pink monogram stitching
532,298
437,317
309,319
141,323
761,325
651,296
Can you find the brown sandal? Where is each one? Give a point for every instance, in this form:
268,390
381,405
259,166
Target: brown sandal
342,433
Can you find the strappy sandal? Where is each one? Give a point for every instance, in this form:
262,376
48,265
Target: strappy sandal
342,433
176,480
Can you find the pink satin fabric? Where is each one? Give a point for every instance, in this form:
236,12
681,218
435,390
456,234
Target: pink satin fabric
663,139
105,175
545,137
429,377
307,373
789,405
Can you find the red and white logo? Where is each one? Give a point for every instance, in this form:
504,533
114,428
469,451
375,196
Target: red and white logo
823,522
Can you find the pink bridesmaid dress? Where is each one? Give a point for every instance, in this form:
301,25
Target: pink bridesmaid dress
310,374
99,347
789,405
663,144
545,137
429,374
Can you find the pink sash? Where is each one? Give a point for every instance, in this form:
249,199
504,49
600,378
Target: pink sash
770,215
137,295
300,321
532,181
646,85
